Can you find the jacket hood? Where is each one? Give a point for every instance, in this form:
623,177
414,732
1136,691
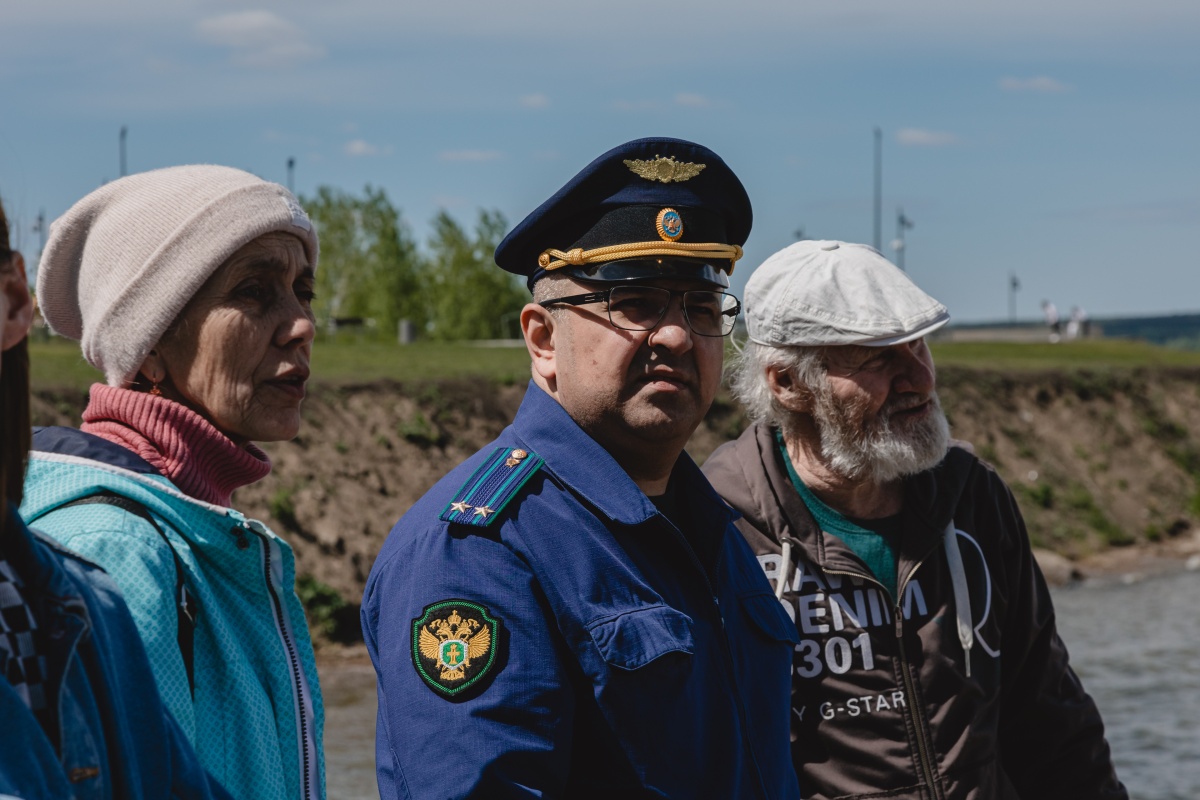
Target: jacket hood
765,497
74,442
67,464
934,494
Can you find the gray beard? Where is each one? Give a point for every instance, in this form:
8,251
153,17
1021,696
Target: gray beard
878,453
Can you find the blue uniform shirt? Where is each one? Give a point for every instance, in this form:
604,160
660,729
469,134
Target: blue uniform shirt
606,659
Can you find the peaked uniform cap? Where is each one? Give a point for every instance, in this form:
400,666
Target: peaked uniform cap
615,200
124,261
816,293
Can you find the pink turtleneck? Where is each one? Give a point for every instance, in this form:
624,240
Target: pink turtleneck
182,445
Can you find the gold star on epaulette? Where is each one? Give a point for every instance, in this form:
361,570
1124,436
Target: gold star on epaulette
460,507
483,511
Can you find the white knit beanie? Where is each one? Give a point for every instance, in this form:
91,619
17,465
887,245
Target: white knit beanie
122,264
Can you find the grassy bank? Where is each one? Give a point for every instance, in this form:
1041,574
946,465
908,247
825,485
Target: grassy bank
57,363
1090,354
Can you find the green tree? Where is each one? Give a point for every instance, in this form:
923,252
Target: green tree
370,266
469,296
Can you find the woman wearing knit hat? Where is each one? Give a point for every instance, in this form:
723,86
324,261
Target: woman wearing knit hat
190,288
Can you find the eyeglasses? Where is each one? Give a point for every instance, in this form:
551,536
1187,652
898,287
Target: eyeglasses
641,308
859,359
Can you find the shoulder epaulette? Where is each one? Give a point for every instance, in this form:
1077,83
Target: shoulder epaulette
491,487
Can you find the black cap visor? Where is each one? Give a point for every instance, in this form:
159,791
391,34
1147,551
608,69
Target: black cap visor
649,269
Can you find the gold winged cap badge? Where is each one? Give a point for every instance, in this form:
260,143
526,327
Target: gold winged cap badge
455,629
666,170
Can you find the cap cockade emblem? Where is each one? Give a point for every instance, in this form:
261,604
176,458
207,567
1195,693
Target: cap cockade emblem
454,645
665,170
669,225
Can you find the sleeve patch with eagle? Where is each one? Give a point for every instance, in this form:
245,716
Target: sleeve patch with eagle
455,646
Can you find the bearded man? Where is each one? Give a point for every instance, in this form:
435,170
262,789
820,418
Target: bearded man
929,665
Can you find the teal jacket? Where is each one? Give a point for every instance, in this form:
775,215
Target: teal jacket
256,718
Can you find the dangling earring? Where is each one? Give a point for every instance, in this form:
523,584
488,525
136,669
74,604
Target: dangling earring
154,390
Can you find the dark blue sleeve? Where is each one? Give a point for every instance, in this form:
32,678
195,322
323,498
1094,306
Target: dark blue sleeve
510,735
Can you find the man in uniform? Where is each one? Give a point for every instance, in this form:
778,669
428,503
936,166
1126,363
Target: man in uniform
929,666
571,612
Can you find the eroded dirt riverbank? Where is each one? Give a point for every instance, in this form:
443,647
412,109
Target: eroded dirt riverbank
1103,464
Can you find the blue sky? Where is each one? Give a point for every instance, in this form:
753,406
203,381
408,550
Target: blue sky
1057,140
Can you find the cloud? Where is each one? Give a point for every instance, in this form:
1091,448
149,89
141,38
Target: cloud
692,100
361,147
469,155
1040,84
259,39
919,137
537,100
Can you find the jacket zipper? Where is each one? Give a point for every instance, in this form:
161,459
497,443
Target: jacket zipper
307,756
923,749
727,650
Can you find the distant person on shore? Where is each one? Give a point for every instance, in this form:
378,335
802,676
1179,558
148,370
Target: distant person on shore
570,613
79,714
1078,325
190,288
929,664
1050,312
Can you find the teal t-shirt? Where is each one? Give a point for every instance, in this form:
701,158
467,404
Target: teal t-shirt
875,541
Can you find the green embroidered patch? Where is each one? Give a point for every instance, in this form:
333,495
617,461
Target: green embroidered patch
455,645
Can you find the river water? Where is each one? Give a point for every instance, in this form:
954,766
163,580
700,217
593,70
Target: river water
1134,642
1136,647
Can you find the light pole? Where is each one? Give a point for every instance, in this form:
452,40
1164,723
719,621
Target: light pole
903,223
124,133
291,173
878,189
1013,286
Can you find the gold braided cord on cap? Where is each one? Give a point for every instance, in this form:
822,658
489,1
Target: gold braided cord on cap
553,259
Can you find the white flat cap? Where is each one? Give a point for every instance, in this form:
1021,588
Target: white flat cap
836,293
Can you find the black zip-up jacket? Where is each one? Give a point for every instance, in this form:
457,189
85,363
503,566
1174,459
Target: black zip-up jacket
883,703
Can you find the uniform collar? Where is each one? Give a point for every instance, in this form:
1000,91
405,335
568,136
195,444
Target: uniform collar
579,461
